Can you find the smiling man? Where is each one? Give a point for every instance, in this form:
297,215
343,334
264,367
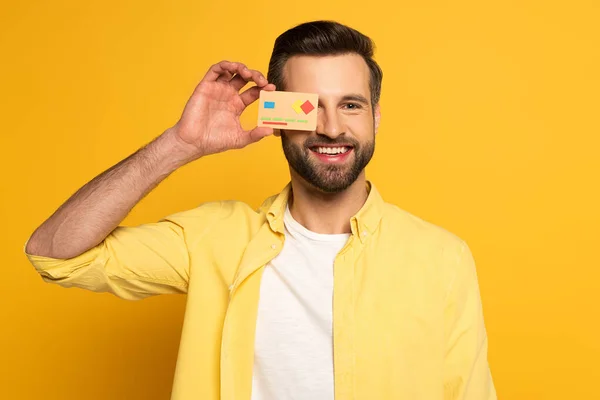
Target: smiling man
326,291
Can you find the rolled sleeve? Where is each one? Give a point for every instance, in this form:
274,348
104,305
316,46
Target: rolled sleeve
132,262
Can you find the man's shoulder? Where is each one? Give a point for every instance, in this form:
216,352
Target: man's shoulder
427,244
418,230
222,211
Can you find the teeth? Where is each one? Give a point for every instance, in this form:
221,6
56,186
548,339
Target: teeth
332,150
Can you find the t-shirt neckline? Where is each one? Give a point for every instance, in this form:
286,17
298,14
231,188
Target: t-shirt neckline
295,227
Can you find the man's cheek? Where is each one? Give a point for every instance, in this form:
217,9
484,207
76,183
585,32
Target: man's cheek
362,128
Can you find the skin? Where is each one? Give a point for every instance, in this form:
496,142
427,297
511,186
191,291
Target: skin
325,195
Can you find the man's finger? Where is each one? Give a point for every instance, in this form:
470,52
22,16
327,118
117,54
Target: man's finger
225,77
238,82
259,133
215,71
250,95
259,78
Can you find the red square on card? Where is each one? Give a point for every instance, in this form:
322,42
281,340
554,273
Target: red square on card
307,107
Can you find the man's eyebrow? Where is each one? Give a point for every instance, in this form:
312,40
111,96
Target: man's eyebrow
356,97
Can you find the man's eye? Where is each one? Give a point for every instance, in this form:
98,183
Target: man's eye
352,106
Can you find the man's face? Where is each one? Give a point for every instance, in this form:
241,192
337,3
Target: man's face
334,156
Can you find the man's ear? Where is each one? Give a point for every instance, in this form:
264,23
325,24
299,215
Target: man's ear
377,116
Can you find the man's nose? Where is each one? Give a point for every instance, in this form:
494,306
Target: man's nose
329,123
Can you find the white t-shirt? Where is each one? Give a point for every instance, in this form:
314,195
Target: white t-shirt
294,343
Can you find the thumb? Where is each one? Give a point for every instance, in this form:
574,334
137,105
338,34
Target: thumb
258,133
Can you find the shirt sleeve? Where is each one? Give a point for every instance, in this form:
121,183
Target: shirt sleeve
134,262
467,373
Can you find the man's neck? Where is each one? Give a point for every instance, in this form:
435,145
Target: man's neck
327,213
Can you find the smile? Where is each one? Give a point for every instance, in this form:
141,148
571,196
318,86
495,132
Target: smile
331,150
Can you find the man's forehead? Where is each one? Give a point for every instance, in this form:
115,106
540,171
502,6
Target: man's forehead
327,75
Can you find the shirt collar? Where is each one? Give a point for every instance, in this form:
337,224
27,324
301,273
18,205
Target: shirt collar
363,223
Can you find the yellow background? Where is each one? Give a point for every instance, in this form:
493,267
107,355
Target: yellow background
490,129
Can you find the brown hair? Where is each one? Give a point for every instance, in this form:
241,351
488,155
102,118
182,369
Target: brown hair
323,38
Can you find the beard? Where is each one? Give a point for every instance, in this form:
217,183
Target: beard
327,178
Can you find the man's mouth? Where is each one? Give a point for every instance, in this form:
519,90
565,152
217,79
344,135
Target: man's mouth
331,150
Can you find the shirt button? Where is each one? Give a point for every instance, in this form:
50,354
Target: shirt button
364,233
273,246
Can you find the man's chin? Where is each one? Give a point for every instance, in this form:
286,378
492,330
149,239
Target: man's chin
331,184
324,178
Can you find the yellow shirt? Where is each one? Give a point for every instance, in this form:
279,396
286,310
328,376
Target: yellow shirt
407,316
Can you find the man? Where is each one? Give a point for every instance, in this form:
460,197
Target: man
324,292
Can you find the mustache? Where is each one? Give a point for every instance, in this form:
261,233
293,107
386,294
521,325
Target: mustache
327,141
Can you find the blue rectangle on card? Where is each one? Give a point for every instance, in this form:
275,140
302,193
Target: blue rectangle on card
269,104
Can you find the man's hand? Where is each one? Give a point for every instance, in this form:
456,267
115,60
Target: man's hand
210,122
